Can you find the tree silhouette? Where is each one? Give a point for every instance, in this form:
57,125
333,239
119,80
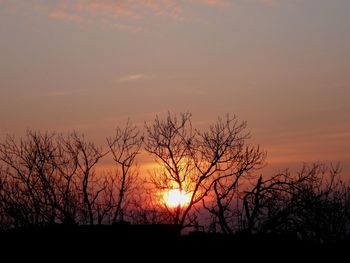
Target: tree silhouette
125,145
313,203
231,159
86,155
195,162
48,179
30,188
169,142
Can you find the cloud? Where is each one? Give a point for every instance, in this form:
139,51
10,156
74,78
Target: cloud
123,15
133,77
121,12
65,15
215,2
135,9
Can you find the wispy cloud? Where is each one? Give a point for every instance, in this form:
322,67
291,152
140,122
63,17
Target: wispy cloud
122,15
122,9
216,2
67,16
133,77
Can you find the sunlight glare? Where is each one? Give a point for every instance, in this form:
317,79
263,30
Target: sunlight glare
175,197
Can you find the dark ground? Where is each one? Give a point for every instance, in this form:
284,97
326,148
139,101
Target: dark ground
124,243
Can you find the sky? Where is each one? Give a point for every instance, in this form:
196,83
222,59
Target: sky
85,65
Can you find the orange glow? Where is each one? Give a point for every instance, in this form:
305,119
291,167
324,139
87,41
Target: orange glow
175,197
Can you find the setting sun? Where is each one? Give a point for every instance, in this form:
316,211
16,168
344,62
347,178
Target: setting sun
175,197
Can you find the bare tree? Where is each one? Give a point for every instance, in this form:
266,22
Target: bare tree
66,164
195,161
49,179
124,145
270,194
29,178
169,141
104,204
313,203
86,155
227,158
145,208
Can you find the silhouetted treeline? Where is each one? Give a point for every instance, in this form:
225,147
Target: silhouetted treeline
313,204
49,179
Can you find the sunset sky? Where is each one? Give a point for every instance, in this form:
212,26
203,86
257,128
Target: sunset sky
281,65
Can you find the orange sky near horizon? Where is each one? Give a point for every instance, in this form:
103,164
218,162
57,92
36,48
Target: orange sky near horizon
85,65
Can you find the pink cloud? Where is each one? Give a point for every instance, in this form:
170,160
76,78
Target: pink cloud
120,15
134,9
122,9
127,15
65,15
215,2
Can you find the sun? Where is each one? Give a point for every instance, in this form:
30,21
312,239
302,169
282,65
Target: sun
175,197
